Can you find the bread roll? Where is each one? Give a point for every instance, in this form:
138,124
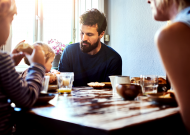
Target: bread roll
24,47
161,80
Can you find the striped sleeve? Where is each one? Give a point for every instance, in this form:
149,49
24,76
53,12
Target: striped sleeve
23,92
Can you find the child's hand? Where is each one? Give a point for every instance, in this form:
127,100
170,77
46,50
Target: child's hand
17,57
37,56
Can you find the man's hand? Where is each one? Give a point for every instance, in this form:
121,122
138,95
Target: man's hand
37,56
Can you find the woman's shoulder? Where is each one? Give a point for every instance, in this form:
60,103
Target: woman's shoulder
175,33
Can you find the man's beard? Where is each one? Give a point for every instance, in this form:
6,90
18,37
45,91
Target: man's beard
88,48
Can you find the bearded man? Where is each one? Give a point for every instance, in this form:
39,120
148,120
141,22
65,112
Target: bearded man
91,60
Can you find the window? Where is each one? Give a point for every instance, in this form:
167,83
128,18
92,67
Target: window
43,20
80,7
57,20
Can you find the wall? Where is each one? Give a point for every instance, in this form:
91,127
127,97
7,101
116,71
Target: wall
132,28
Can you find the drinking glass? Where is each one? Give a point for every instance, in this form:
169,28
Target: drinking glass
112,79
65,82
149,83
45,84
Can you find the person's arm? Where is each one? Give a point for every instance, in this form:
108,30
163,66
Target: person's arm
115,67
173,43
22,92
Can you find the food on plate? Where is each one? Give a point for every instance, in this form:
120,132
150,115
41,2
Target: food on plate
171,92
24,47
53,78
55,71
161,80
168,94
107,84
96,84
135,80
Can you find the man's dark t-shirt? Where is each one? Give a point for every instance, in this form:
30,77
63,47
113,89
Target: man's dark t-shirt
90,68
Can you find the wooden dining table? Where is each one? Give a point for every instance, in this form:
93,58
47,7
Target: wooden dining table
88,111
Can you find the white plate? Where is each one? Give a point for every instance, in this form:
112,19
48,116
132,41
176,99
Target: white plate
161,100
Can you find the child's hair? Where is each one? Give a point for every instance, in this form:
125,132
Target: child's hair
7,7
47,51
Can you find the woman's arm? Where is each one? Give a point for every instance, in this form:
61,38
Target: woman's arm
173,43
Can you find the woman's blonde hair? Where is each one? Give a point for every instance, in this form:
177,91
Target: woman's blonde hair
181,3
47,51
7,7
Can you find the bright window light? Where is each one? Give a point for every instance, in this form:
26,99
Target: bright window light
57,23
22,25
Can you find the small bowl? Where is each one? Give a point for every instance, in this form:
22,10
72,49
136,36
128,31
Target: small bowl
128,91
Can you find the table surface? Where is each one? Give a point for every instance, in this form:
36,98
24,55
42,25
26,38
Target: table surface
97,108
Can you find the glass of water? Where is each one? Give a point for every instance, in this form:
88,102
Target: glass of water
149,83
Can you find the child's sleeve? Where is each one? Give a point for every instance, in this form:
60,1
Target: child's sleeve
23,92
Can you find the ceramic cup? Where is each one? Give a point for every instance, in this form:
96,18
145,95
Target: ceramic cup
128,91
115,80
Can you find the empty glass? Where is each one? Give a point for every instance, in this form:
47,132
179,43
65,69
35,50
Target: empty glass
112,79
149,83
45,84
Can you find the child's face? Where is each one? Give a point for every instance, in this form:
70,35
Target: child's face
48,64
5,24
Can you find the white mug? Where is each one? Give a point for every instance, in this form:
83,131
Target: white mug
122,80
118,79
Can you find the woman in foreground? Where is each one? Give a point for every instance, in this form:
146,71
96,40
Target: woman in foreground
23,92
173,42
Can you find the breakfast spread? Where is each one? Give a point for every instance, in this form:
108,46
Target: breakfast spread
137,80
161,80
53,78
24,47
168,94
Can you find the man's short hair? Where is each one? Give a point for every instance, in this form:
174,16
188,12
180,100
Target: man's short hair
93,17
